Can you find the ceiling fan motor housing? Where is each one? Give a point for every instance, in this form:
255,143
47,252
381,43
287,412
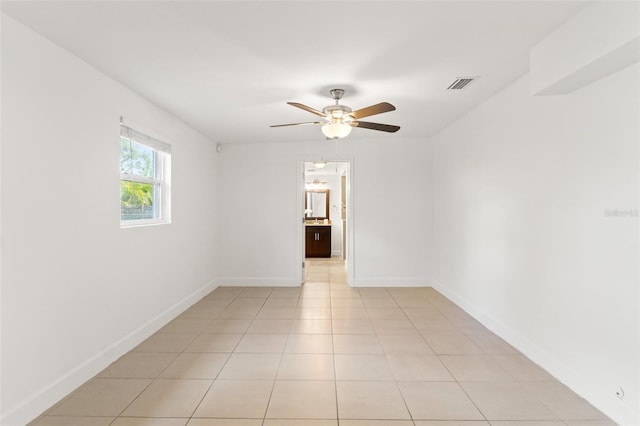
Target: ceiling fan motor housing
338,111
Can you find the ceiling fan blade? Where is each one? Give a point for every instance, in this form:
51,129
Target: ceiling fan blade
308,108
373,110
296,124
376,126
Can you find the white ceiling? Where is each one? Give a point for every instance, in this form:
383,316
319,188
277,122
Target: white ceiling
227,68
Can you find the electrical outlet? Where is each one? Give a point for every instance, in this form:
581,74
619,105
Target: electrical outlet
620,393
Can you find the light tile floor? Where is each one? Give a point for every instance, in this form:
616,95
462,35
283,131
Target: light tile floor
323,354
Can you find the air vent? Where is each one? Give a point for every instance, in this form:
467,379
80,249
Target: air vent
460,83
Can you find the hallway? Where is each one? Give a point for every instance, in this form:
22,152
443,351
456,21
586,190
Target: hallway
323,354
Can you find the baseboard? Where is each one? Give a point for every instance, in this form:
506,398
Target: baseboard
605,402
392,282
33,406
259,282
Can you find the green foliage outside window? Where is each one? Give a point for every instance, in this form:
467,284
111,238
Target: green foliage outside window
136,198
135,195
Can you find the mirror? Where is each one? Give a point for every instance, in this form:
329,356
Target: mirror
316,204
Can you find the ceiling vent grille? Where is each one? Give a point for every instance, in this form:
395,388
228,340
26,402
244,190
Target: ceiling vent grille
460,83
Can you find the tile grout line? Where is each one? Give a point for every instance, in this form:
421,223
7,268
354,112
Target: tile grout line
204,395
153,380
273,386
333,356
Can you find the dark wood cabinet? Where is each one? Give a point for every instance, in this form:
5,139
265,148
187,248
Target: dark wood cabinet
318,241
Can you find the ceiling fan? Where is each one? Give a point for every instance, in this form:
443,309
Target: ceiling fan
340,119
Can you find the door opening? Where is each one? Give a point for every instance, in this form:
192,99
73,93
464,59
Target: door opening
325,205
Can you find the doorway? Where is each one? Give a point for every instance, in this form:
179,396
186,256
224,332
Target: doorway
325,205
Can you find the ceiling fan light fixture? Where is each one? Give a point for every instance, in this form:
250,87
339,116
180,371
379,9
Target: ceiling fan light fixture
336,129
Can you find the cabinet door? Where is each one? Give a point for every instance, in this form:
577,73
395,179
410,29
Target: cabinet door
324,241
310,242
318,241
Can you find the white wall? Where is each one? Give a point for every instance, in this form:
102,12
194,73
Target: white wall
78,291
393,213
525,188
392,224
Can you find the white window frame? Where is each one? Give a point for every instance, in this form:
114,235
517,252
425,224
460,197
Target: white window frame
162,180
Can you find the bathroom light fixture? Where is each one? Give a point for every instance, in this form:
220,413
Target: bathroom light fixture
316,184
320,164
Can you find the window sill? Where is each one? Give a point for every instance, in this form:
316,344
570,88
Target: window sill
142,223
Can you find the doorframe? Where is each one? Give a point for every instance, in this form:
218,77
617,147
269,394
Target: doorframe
299,209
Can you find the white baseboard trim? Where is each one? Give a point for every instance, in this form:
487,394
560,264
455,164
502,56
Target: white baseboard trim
603,400
391,282
259,282
32,407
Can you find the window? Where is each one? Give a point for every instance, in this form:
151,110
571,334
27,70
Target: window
145,170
